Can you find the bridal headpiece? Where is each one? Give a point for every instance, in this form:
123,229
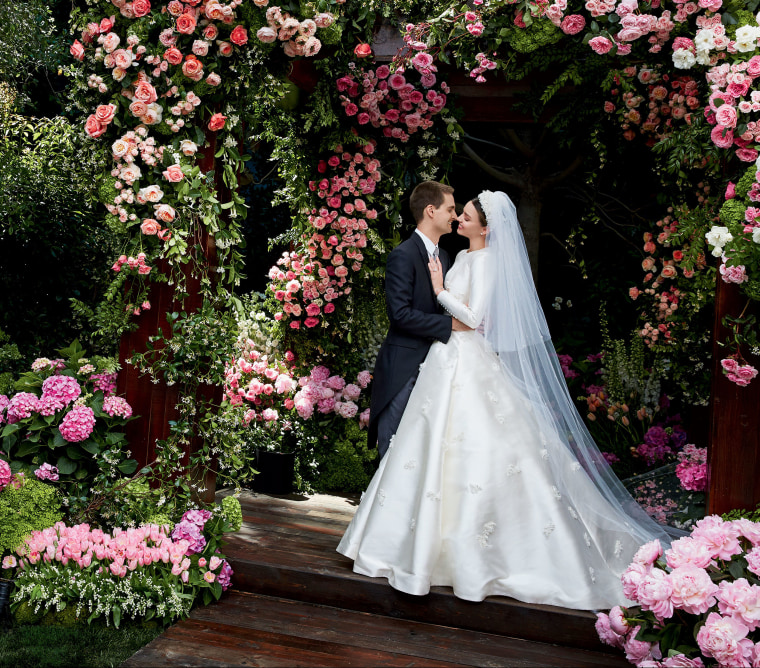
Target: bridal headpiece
486,199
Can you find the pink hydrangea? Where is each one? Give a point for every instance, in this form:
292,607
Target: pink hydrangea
106,382
47,472
197,517
725,640
77,424
225,575
21,406
117,406
3,405
60,391
5,473
192,534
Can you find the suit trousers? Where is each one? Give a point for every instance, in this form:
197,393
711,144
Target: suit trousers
390,418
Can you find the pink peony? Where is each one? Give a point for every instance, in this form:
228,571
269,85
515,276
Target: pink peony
631,578
693,590
654,593
740,600
648,553
720,537
682,661
637,651
724,639
605,633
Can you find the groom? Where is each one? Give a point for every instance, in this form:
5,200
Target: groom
416,319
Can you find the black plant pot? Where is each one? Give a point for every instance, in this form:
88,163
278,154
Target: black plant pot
5,598
275,472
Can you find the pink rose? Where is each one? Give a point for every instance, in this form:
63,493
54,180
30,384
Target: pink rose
729,364
600,45
726,115
225,48
573,24
140,8
363,50
213,79
105,113
77,50
266,34
144,92
216,122
93,127
239,35
192,68
173,174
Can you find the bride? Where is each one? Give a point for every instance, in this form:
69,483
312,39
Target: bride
492,484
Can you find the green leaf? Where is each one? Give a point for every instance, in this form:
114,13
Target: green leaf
10,429
26,448
127,467
91,446
65,465
58,440
114,437
116,610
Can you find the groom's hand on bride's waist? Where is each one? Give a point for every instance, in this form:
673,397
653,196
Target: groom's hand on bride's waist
459,326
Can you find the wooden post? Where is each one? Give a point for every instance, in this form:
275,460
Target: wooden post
733,454
155,403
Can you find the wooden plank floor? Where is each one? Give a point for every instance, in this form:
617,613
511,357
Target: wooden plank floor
297,602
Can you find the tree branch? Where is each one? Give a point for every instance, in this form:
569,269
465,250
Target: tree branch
511,177
554,179
525,150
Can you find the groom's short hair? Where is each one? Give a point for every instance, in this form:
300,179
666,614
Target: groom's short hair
427,192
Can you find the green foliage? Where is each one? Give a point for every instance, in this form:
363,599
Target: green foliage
739,513
232,512
94,646
9,358
32,506
346,464
539,34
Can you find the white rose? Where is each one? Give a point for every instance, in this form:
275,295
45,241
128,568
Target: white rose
683,59
718,236
704,40
188,147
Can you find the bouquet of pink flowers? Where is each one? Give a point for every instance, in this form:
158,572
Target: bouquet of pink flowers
698,604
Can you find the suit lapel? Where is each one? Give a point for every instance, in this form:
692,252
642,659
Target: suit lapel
425,259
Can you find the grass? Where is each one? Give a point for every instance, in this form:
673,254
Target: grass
93,646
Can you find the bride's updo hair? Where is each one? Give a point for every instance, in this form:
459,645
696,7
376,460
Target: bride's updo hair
479,208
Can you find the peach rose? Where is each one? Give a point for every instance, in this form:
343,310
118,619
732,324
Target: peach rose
225,48
186,24
106,24
173,174
150,226
648,264
200,47
210,32
266,34
192,68
77,50
149,194
138,108
213,79
153,114
668,272
165,213
216,122
105,113
141,7
188,147
93,127
173,55
144,92
118,74
110,42
239,35
119,148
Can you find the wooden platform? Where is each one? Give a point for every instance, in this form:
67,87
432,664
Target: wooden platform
297,602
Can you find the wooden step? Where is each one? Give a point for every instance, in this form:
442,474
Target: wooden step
245,629
286,549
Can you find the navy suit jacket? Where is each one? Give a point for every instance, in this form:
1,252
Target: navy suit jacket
416,321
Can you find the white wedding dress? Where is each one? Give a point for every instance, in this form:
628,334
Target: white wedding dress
465,496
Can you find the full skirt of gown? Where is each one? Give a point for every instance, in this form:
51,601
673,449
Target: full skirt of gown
465,498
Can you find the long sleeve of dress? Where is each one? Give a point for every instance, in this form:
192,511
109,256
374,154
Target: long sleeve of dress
472,312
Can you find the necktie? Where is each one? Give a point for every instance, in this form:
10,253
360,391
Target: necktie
435,252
